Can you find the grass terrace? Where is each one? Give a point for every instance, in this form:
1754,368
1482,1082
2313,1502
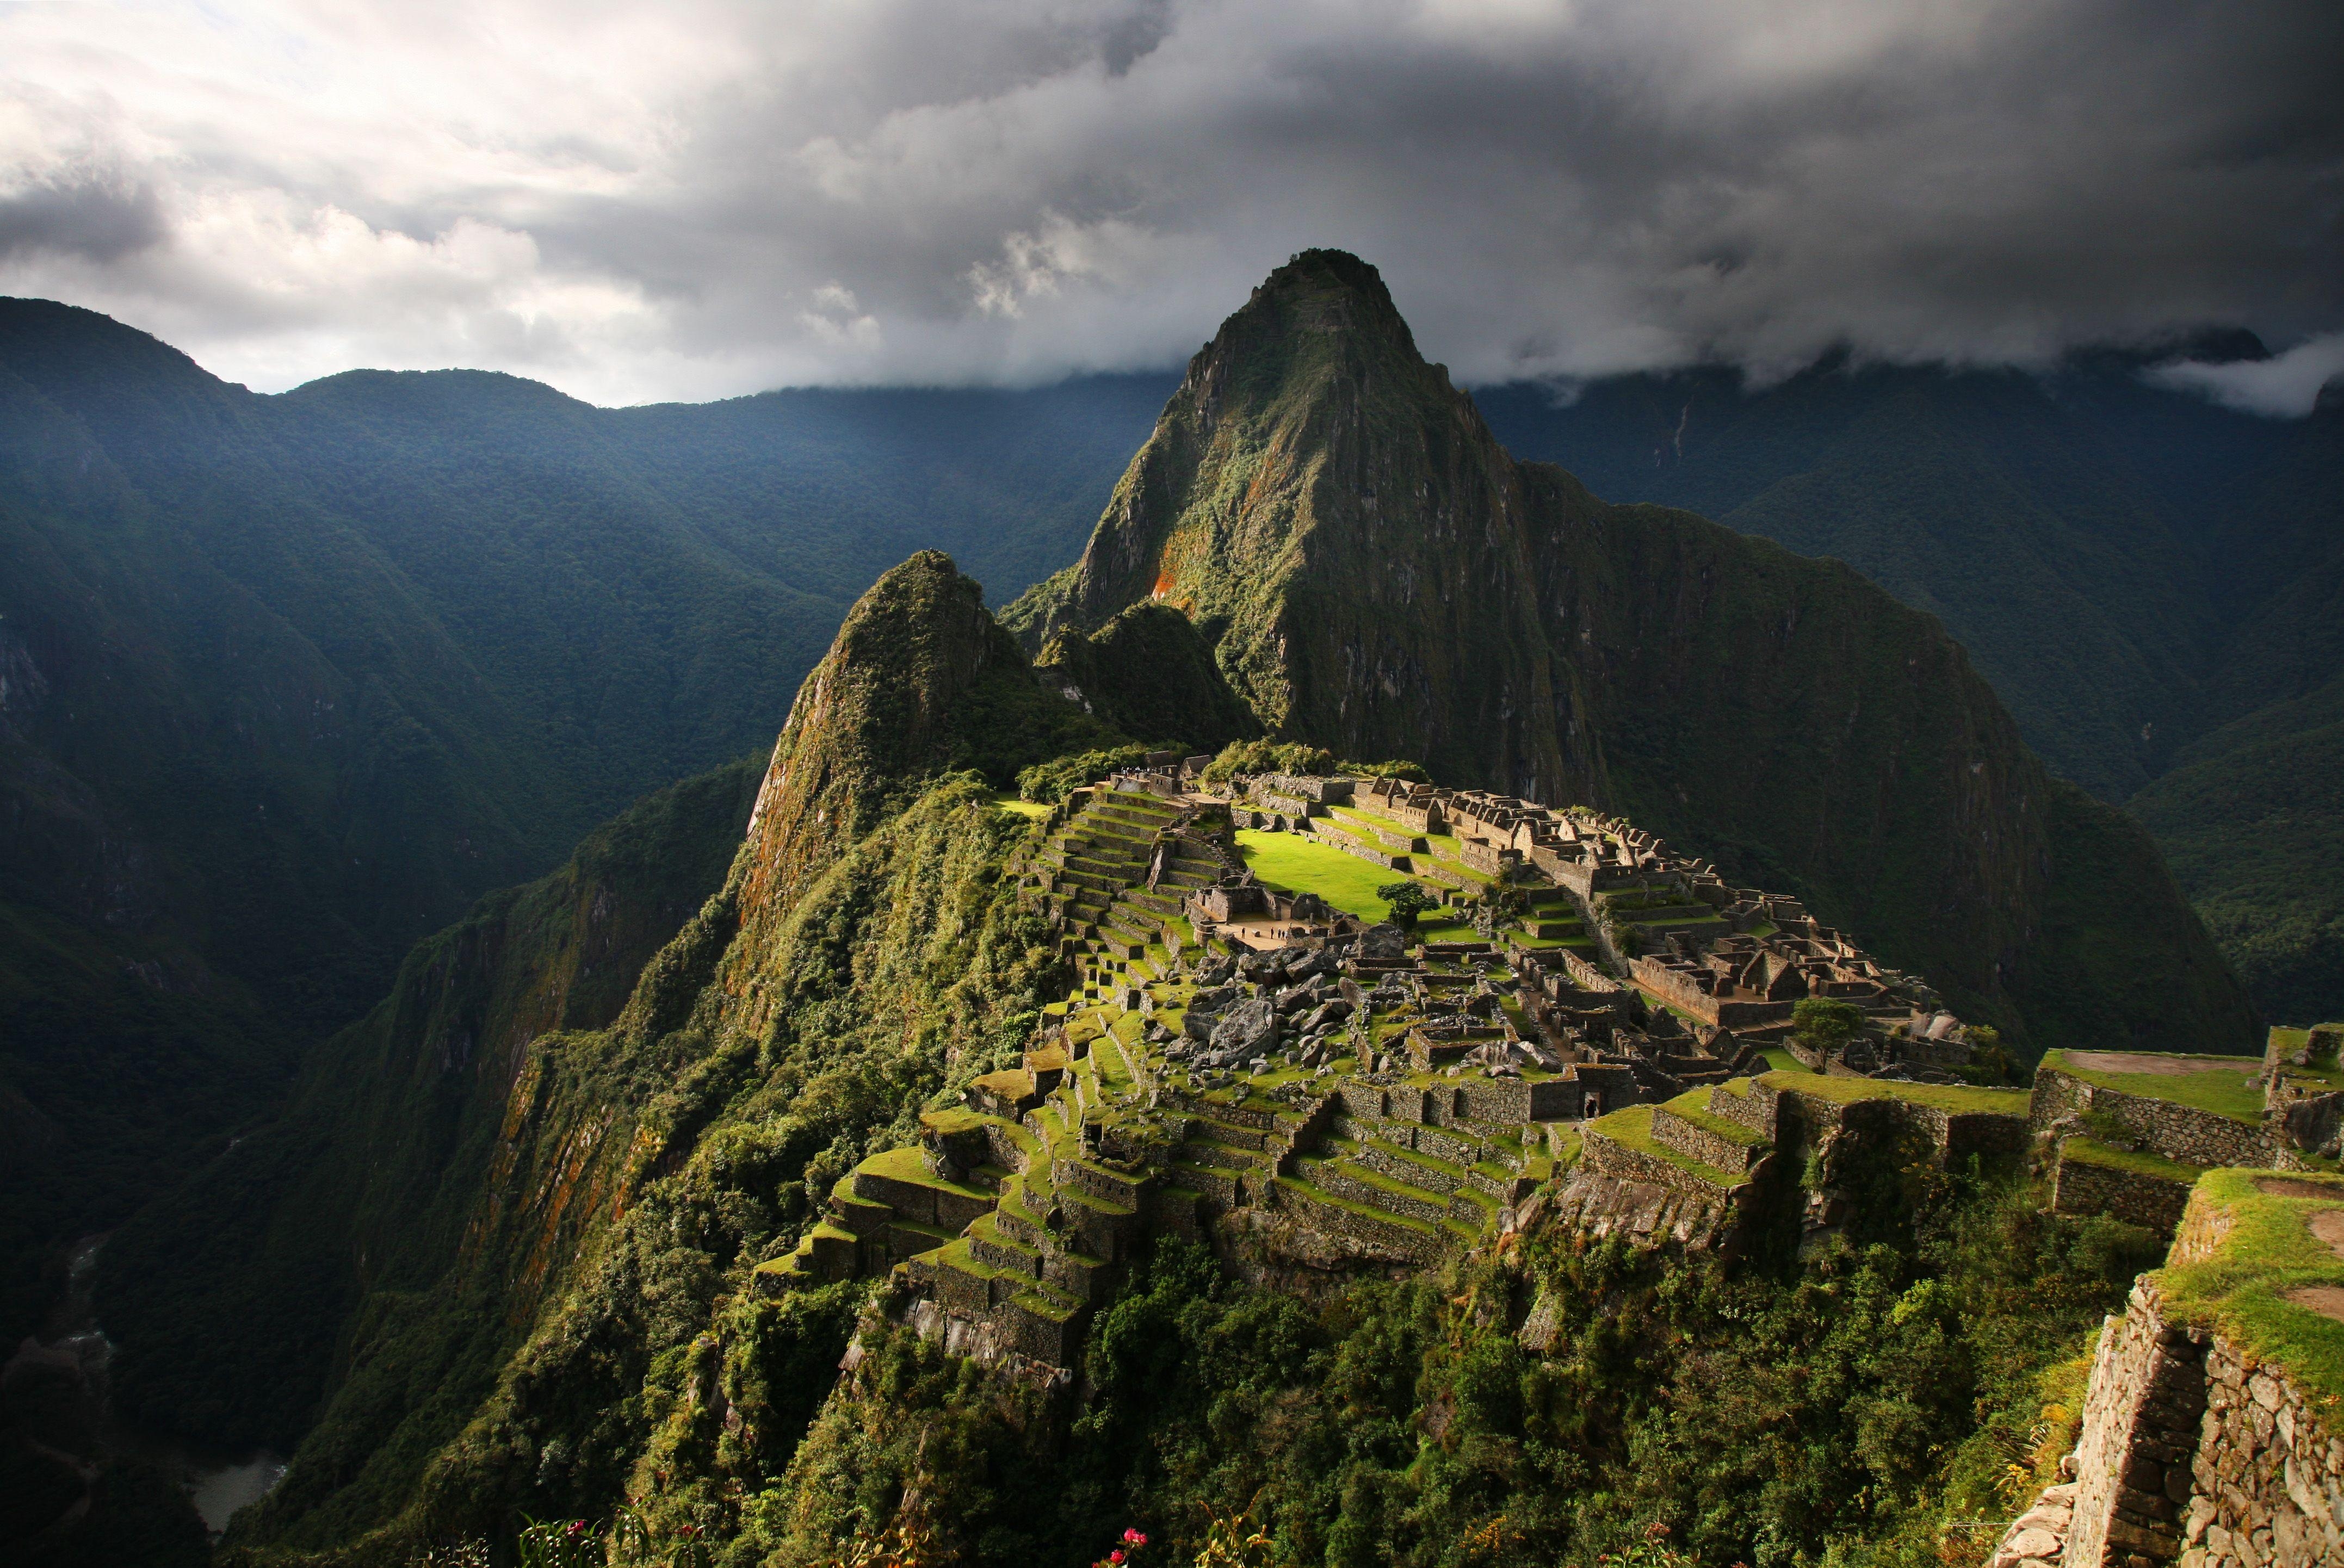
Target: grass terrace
2217,1083
1937,1097
1693,1106
2088,1151
1632,1128
2270,1285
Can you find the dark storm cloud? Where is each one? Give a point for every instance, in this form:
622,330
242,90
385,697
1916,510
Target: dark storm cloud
94,222
726,198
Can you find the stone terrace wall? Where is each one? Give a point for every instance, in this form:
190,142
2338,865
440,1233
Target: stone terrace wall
1602,1204
1604,1156
2178,1132
2269,1484
2134,1466
2189,1449
2152,1202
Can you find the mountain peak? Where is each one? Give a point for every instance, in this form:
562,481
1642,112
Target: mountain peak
920,680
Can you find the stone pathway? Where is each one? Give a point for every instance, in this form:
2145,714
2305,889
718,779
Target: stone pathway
2037,1538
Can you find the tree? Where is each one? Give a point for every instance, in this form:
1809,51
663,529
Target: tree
1825,1024
1407,900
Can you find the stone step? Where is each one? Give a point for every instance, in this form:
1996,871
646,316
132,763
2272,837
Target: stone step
1421,1171
1412,1239
1362,1184
1222,1156
1237,1135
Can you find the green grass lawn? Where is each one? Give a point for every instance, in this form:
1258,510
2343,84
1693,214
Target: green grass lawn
1290,861
1032,808
1780,1059
2219,1085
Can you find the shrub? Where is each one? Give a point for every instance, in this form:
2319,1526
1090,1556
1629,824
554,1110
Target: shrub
1825,1024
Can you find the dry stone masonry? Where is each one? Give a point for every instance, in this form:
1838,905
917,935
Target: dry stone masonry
1242,1062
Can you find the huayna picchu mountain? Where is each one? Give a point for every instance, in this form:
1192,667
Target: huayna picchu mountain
1377,577
1439,1022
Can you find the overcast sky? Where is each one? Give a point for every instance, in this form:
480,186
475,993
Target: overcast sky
692,200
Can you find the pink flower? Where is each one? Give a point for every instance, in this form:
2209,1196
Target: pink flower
1134,1538
1116,1555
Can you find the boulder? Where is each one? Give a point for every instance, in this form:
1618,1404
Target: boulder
1327,1013
1247,1030
1383,941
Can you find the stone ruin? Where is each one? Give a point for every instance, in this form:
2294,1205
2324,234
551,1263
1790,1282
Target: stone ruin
1248,1065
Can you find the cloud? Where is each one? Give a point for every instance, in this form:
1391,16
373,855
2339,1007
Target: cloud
92,221
2283,387
709,197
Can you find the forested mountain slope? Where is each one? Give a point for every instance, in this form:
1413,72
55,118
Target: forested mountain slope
544,1191
1379,576
287,682
2149,581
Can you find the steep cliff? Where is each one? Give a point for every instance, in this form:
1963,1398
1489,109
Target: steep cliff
1378,576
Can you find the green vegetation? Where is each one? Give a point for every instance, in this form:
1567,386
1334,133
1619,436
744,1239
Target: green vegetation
2138,1162
226,1296
1405,901
294,680
1824,1025
1936,1096
2267,1252
1294,862
1858,1401
2220,1084
1049,782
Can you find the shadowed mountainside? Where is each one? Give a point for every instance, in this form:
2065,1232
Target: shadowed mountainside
1379,576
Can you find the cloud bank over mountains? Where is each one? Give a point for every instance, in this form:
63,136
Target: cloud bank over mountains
699,199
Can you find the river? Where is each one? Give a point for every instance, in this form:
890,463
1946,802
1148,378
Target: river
69,1414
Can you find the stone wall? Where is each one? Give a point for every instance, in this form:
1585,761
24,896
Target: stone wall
2139,1442
2175,1132
2190,1450
1605,1156
2268,1481
2153,1202
1690,1139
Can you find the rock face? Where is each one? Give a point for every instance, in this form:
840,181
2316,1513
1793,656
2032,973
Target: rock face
920,679
1376,574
